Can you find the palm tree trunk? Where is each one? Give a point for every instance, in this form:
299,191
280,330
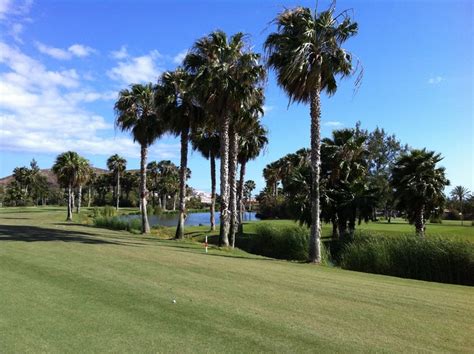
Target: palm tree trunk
315,237
79,200
182,183
224,152
163,201
233,137
213,191
69,203
143,191
118,191
89,197
174,202
240,202
72,200
420,222
462,214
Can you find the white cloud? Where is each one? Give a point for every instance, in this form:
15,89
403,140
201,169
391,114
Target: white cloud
178,59
120,54
80,50
137,69
43,111
12,14
267,109
333,124
435,80
77,50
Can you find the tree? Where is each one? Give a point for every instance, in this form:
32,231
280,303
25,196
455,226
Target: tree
66,168
117,165
135,112
419,186
206,141
306,54
249,186
83,174
461,194
174,99
224,72
252,140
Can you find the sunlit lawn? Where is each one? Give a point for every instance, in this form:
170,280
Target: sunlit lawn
75,288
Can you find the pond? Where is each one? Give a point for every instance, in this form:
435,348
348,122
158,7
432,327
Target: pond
193,219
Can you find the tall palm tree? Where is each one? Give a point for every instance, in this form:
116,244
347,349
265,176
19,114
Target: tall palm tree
224,73
461,194
84,172
206,141
419,186
65,169
135,112
306,54
117,165
174,99
250,111
154,174
252,140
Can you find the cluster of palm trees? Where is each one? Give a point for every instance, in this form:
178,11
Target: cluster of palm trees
72,171
347,194
218,92
213,101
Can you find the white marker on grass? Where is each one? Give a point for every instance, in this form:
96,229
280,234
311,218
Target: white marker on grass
205,244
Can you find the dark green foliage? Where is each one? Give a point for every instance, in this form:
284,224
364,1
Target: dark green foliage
432,259
106,211
116,223
289,242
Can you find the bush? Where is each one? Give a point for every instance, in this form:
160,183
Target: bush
432,259
106,211
435,220
290,242
116,223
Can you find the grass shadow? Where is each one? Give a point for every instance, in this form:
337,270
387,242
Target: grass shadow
37,234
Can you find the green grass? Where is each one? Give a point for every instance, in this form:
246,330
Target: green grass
75,288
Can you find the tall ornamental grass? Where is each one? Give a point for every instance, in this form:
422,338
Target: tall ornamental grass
432,259
116,223
289,242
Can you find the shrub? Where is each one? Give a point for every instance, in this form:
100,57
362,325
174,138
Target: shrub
290,242
433,259
436,220
116,223
106,211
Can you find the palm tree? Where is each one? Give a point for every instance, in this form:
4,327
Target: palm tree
250,111
135,112
224,73
249,186
117,165
152,169
252,140
460,193
65,169
206,141
419,186
84,172
306,54
175,101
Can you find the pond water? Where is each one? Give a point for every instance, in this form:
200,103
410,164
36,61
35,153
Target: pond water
193,219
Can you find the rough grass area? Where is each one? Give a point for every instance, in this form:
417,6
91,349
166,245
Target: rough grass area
433,259
66,287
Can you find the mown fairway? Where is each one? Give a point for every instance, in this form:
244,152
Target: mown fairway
74,288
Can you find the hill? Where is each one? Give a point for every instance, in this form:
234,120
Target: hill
50,176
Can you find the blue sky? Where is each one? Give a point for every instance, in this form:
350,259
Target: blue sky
63,62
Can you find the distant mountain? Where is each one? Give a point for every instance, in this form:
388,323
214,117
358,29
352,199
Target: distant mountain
50,176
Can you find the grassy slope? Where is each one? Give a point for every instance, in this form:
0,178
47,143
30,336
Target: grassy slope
70,288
